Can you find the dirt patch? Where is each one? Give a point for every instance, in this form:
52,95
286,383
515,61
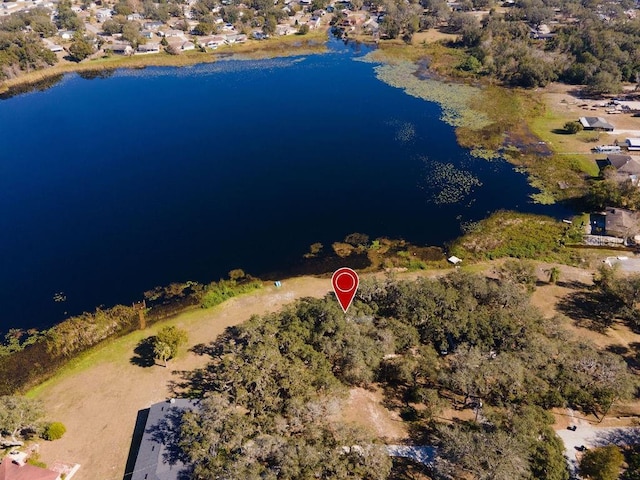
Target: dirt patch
526,141
365,408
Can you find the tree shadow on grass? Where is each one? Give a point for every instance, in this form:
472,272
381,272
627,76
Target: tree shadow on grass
143,353
588,309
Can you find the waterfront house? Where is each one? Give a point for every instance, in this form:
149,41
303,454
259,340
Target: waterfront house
212,42
119,48
158,457
235,38
284,29
148,48
621,223
595,123
186,46
627,167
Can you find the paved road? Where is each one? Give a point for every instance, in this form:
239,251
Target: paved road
590,437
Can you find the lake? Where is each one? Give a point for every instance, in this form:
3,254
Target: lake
112,186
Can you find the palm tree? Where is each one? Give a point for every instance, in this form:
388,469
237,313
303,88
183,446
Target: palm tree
162,351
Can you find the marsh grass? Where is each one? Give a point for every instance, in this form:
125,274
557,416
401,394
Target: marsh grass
511,234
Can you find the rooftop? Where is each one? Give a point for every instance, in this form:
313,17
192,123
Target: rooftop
157,456
10,470
595,122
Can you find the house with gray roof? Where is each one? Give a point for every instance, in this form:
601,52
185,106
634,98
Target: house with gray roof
595,123
621,223
627,167
159,457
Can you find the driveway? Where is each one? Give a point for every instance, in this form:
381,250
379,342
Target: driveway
590,436
627,264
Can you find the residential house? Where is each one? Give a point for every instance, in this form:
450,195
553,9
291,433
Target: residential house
148,48
371,26
633,144
134,17
152,25
212,42
15,470
627,167
157,457
119,48
314,22
595,123
621,223
235,38
66,34
103,14
284,29
54,47
172,34
148,34
186,46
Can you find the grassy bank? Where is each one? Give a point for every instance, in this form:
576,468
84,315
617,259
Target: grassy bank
492,120
313,42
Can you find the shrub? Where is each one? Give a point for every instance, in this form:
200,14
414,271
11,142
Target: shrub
572,127
54,431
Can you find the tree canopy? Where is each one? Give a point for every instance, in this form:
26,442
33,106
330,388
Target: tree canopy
274,389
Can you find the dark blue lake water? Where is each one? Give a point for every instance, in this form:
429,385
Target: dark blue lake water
109,187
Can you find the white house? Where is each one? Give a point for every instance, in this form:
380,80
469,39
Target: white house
633,144
103,14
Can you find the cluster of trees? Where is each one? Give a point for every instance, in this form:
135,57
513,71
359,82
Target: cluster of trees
21,418
620,296
21,50
597,45
461,337
610,192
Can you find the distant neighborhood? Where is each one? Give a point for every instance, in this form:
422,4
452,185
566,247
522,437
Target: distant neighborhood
83,29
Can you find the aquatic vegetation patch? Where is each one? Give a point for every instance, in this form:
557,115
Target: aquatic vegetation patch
404,131
449,183
454,99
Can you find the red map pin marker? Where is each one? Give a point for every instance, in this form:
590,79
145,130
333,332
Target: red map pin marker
345,285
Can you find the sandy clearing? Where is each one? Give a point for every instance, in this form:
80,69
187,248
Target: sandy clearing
365,408
99,405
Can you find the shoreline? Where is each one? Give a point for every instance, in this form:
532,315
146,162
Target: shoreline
293,45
